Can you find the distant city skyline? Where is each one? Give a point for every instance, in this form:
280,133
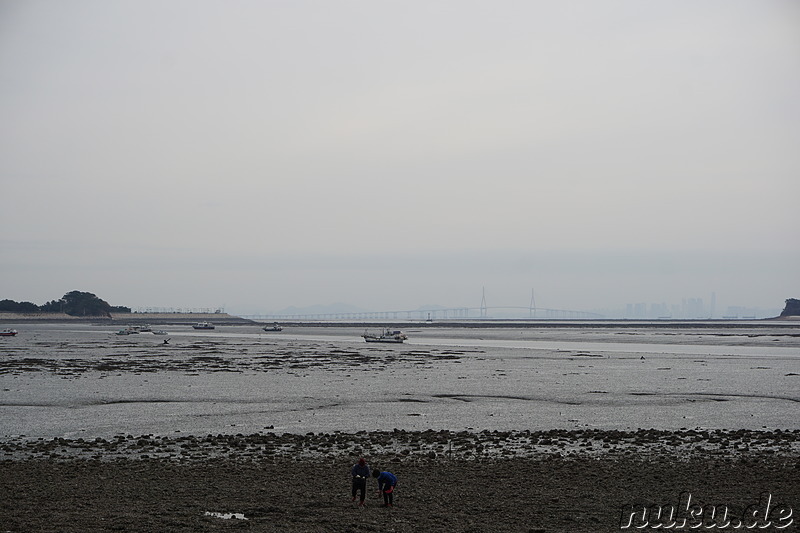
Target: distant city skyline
687,308
502,301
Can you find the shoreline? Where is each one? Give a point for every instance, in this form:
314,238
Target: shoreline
410,445
125,319
233,320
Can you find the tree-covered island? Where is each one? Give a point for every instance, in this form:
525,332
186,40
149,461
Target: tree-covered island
74,303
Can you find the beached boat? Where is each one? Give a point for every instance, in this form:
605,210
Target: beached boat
203,325
159,332
127,331
8,333
274,327
393,336
145,329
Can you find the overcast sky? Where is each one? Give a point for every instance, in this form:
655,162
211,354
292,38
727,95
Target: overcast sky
389,154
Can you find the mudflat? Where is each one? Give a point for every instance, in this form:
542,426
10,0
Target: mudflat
474,482
521,430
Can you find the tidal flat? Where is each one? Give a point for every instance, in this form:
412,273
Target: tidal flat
489,429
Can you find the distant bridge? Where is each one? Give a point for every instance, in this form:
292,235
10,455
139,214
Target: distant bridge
482,312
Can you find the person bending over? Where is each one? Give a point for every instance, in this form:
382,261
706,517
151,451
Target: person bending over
386,484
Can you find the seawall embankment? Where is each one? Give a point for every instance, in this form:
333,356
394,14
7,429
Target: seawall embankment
125,318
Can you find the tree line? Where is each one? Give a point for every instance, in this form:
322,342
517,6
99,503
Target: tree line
74,303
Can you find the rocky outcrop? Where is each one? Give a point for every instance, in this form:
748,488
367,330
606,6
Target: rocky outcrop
792,308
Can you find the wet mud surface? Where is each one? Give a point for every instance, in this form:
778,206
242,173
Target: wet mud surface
85,381
550,481
207,355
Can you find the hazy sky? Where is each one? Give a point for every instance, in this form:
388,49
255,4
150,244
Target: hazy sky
390,154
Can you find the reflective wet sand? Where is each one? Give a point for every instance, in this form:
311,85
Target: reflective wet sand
84,381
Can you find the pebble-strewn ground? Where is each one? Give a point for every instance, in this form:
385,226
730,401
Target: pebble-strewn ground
449,481
410,445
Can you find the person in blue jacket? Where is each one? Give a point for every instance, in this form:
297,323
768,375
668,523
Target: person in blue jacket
360,473
386,484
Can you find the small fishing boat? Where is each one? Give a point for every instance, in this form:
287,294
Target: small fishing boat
390,336
8,333
203,325
159,332
126,331
274,327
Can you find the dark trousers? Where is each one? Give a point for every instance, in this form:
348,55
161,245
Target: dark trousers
388,495
359,484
